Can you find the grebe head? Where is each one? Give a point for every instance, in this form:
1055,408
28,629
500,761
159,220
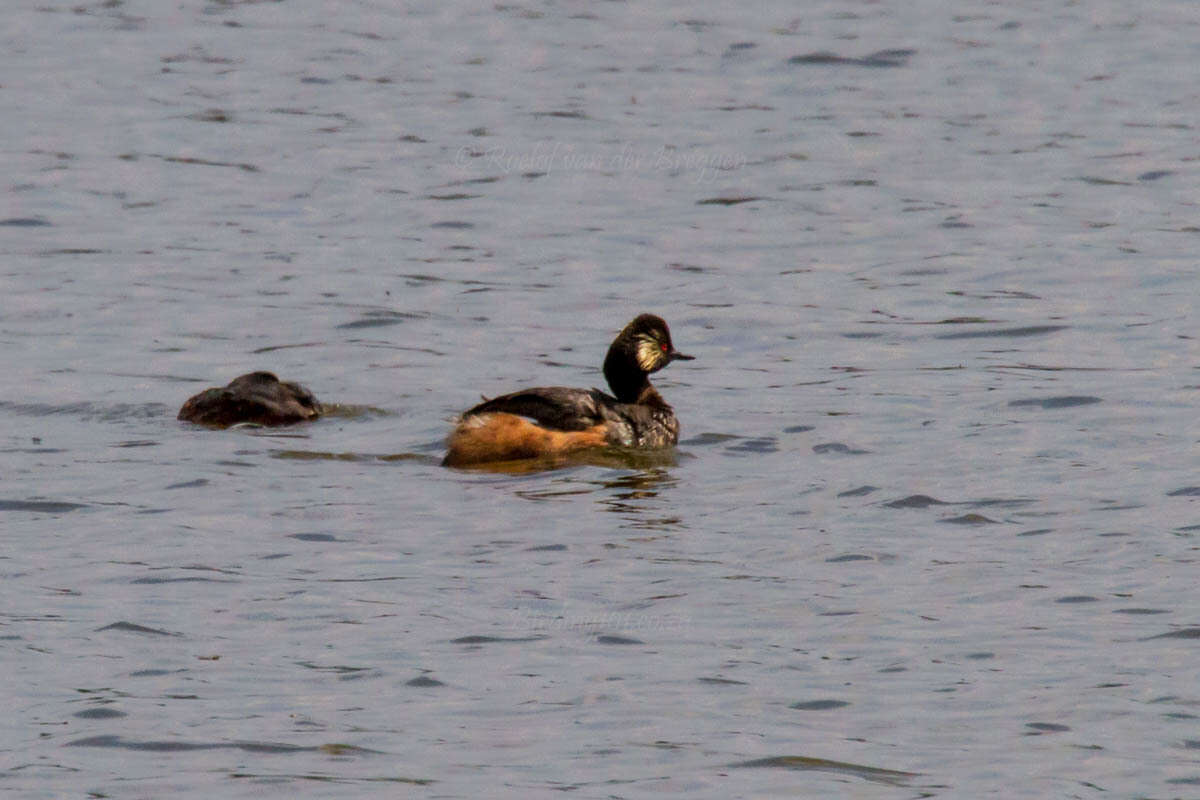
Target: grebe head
642,347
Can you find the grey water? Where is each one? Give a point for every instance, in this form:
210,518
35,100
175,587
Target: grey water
932,527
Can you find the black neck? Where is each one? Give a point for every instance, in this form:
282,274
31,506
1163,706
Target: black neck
627,381
627,386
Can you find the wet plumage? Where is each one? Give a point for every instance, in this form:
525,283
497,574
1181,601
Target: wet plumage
549,420
257,397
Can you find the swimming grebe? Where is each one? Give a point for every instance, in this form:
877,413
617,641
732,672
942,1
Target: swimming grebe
257,397
566,419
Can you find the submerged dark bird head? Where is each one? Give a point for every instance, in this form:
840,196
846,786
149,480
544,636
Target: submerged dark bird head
642,347
257,397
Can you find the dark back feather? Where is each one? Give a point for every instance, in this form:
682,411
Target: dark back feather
559,407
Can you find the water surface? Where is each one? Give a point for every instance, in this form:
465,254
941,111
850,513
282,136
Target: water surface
931,527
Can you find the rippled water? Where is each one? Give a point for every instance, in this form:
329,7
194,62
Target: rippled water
930,531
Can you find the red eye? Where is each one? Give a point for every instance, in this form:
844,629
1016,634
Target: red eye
664,347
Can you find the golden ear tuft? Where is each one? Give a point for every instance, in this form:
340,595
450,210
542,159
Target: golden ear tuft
649,354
